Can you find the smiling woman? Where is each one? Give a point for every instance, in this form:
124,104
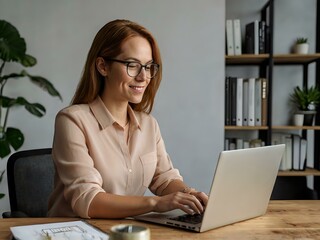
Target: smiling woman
107,146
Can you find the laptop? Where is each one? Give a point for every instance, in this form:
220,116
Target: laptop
241,189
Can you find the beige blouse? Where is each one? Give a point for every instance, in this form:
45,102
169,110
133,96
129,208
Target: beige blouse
92,154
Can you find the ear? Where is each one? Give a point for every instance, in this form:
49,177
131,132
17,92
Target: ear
101,66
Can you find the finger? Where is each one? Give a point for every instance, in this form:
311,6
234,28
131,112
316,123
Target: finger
193,203
203,197
187,209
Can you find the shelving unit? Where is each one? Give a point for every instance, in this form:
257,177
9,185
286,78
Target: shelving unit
265,62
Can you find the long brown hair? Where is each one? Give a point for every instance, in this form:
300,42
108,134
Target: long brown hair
107,43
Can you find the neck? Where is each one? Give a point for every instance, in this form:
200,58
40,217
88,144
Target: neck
119,110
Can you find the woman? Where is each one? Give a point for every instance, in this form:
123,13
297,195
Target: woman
107,147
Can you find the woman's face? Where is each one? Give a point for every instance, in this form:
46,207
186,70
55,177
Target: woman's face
121,87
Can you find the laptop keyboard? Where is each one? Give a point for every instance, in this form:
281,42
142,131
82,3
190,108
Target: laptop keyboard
188,218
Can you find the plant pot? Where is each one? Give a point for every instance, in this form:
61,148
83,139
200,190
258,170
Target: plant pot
302,48
298,119
308,118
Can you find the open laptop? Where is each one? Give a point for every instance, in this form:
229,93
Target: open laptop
240,190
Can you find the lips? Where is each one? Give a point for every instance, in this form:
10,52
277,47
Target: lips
137,88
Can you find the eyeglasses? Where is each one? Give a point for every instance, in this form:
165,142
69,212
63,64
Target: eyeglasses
134,68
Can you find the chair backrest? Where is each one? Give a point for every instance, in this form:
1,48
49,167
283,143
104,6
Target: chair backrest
30,181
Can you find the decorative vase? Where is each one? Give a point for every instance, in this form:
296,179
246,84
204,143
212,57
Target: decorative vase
308,117
302,48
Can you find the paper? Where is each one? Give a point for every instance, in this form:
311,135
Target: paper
73,230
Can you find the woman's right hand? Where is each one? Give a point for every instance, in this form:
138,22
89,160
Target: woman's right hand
178,200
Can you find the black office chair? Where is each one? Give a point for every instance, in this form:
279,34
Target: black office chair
292,188
30,182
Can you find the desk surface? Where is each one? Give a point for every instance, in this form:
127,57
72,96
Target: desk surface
283,220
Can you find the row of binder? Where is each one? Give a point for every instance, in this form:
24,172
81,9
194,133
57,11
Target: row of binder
256,37
246,101
294,157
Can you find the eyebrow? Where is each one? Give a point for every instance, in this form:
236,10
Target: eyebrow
137,60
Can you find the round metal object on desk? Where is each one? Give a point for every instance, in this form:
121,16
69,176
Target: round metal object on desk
129,232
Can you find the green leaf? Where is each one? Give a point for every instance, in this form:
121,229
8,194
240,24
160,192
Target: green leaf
14,137
28,60
6,101
4,147
44,84
12,46
12,75
34,108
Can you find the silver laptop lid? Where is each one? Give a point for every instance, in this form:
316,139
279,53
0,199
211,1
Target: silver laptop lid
242,185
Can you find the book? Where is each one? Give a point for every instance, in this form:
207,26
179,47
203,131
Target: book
252,37
229,37
233,100
303,154
264,102
59,230
239,107
283,138
237,37
239,143
267,39
245,102
288,153
296,152
227,102
262,41
251,100
257,101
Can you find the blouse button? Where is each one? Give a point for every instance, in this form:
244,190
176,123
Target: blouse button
130,170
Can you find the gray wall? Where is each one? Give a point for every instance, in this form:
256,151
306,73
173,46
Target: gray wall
189,105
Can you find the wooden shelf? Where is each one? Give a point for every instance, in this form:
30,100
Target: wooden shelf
307,172
246,59
295,58
277,58
295,127
238,128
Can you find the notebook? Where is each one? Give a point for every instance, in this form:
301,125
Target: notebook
241,189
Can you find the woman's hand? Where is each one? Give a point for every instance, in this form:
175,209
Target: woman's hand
201,196
191,203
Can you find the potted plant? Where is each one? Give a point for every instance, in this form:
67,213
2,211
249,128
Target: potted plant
13,49
301,46
306,100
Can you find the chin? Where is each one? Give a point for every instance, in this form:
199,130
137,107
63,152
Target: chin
135,101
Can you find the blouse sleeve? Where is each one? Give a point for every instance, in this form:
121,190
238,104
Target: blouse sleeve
74,165
165,172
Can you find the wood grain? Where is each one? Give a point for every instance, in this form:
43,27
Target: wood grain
283,220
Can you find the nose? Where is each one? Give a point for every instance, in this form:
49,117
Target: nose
142,76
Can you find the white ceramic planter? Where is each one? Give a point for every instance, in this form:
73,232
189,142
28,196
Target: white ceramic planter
302,48
298,119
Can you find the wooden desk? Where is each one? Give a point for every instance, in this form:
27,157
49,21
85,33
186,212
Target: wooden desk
284,220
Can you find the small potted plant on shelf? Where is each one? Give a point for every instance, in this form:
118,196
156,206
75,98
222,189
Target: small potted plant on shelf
306,100
301,46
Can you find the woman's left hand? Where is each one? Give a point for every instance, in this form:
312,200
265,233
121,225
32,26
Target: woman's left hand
203,198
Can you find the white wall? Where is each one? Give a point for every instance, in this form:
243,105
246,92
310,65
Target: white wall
189,105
